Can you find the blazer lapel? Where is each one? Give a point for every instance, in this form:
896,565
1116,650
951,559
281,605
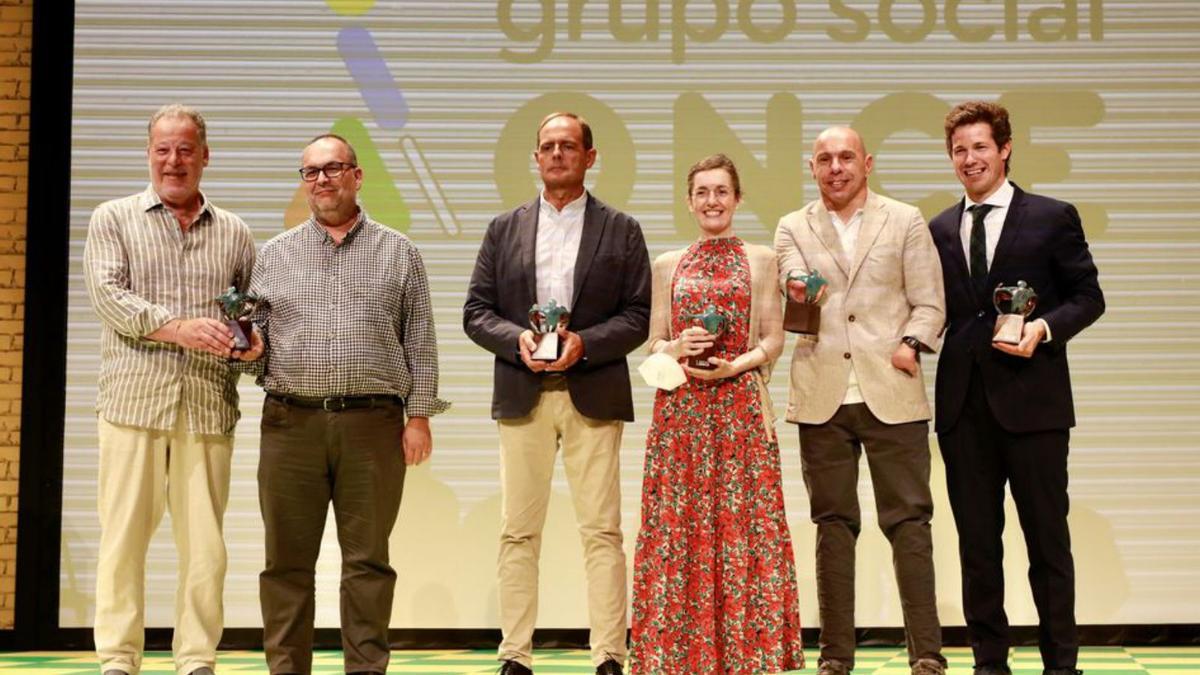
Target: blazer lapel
527,227
957,258
822,226
594,223
873,220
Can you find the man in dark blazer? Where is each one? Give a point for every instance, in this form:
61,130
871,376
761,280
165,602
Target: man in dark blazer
1004,411
569,247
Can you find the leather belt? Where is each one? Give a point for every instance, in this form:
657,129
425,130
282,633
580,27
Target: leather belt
337,403
554,381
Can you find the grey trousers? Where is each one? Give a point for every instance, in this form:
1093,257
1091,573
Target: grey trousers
310,457
898,457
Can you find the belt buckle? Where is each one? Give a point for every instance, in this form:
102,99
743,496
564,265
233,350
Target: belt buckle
340,404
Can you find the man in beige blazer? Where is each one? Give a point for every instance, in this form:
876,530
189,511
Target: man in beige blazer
858,384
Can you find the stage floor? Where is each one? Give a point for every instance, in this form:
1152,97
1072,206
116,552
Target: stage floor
881,661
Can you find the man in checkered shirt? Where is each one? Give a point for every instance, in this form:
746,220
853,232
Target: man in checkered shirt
345,348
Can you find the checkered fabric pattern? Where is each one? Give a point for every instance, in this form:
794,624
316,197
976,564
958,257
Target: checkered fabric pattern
347,320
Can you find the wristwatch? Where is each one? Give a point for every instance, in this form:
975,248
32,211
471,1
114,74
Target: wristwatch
912,342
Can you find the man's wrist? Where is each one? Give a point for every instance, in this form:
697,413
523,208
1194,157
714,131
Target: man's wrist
912,342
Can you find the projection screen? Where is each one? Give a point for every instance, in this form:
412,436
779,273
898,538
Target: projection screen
441,100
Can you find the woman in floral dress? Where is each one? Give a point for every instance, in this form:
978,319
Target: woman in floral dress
714,579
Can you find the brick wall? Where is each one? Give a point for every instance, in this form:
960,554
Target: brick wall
16,29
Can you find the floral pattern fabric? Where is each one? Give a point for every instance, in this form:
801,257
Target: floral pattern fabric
714,573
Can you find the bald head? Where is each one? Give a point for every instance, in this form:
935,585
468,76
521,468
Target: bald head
842,135
840,165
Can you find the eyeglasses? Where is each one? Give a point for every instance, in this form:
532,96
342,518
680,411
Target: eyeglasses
331,170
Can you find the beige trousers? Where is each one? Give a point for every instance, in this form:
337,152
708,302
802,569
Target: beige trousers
591,457
142,473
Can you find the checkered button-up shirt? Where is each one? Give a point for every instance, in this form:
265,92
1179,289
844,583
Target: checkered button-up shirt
142,270
346,320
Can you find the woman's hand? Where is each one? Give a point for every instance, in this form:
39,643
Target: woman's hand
690,342
721,369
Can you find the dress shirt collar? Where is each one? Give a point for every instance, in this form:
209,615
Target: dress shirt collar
149,200
1000,199
837,220
572,209
324,236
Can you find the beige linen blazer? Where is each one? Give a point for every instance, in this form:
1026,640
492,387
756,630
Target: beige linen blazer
889,287
766,314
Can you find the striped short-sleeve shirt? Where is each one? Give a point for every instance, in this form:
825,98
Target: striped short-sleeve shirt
142,270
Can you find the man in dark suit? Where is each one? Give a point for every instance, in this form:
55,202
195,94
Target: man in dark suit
569,247
1003,411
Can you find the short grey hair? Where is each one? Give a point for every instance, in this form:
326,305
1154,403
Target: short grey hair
180,110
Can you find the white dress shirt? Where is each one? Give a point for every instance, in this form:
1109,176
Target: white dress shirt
848,235
993,225
993,222
558,236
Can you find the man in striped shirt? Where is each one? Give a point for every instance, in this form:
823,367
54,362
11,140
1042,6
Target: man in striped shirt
154,264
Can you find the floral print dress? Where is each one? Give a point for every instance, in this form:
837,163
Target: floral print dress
714,575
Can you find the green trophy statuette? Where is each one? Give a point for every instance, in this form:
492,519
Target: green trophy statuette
236,308
545,320
804,317
1013,304
712,321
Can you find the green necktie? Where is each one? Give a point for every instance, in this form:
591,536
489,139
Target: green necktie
979,265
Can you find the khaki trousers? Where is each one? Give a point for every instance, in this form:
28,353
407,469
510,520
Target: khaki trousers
591,457
142,473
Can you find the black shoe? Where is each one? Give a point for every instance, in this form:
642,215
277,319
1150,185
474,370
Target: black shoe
511,667
993,669
609,667
1062,671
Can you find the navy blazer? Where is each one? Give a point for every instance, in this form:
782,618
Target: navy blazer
1043,244
610,309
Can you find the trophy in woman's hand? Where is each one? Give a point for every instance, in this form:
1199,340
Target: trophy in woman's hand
713,322
236,308
804,317
546,320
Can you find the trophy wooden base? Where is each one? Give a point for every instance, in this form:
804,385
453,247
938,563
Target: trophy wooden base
700,361
241,330
802,317
549,347
1009,328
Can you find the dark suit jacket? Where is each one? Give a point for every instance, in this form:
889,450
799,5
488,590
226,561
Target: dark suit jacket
1042,243
610,310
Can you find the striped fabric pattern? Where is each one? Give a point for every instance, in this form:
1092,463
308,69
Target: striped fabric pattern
141,271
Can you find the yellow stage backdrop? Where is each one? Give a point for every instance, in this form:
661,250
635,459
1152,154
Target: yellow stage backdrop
441,99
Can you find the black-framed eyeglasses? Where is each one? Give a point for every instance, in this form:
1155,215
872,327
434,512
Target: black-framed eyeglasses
331,170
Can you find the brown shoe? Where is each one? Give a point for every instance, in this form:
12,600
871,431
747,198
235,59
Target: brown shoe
832,667
928,667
